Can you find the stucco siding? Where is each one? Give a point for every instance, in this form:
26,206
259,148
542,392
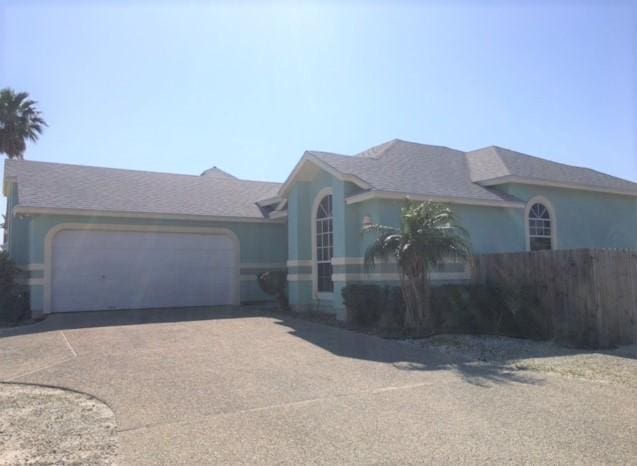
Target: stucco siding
491,229
18,235
300,215
586,219
254,257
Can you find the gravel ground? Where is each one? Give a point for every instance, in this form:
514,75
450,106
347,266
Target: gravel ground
618,366
41,425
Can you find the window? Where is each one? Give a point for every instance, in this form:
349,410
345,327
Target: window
540,229
324,245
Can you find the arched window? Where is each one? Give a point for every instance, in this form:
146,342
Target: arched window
540,228
324,245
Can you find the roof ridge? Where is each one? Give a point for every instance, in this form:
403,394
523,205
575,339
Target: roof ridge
114,169
535,157
377,151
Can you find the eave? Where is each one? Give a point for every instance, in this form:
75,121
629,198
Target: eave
553,184
308,157
394,195
25,210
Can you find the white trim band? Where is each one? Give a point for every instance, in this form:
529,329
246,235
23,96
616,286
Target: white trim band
554,184
299,277
262,265
30,281
299,263
360,261
24,210
394,276
32,267
394,195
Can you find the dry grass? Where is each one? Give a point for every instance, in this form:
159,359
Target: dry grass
617,366
41,425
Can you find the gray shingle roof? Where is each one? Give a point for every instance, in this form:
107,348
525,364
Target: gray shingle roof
218,173
61,186
407,167
395,166
495,162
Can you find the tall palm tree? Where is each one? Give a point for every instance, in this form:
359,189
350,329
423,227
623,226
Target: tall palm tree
428,234
20,121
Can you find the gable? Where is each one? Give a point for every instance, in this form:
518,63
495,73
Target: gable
311,166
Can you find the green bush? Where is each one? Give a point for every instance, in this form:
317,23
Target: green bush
374,305
484,309
363,302
275,284
14,305
393,311
529,318
475,309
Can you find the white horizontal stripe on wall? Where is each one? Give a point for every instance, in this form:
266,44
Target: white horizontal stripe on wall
360,261
392,276
32,267
299,263
299,277
248,278
30,281
262,265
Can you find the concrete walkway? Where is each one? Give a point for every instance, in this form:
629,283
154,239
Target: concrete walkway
239,386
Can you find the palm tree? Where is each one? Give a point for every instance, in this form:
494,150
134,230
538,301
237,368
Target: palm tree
19,120
428,234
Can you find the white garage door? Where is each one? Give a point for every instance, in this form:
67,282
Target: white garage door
96,270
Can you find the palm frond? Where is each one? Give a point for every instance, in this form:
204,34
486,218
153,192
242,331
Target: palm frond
20,121
383,247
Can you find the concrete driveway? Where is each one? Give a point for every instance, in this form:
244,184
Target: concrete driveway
240,386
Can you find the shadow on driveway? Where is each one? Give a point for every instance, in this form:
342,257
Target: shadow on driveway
403,356
94,319
338,341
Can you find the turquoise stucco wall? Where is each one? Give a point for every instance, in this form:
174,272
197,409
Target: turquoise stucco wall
300,201
18,235
27,246
491,229
586,219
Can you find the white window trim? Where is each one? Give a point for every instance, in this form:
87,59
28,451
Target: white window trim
317,200
549,206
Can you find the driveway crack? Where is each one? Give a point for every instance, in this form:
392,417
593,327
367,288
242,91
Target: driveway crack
68,344
279,406
48,366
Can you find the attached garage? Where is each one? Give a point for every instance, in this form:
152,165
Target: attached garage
114,268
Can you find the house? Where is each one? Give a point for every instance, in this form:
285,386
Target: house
91,238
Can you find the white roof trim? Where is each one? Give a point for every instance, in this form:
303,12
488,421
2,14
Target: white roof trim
311,158
553,184
426,197
279,214
7,181
23,210
268,201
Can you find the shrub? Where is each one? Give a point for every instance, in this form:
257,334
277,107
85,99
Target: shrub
379,305
275,283
530,320
14,305
363,302
467,308
485,309
393,311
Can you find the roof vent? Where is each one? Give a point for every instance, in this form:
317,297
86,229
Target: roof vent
215,172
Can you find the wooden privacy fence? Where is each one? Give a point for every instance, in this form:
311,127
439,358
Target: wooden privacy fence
589,295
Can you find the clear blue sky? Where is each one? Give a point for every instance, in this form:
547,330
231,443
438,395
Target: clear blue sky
248,88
